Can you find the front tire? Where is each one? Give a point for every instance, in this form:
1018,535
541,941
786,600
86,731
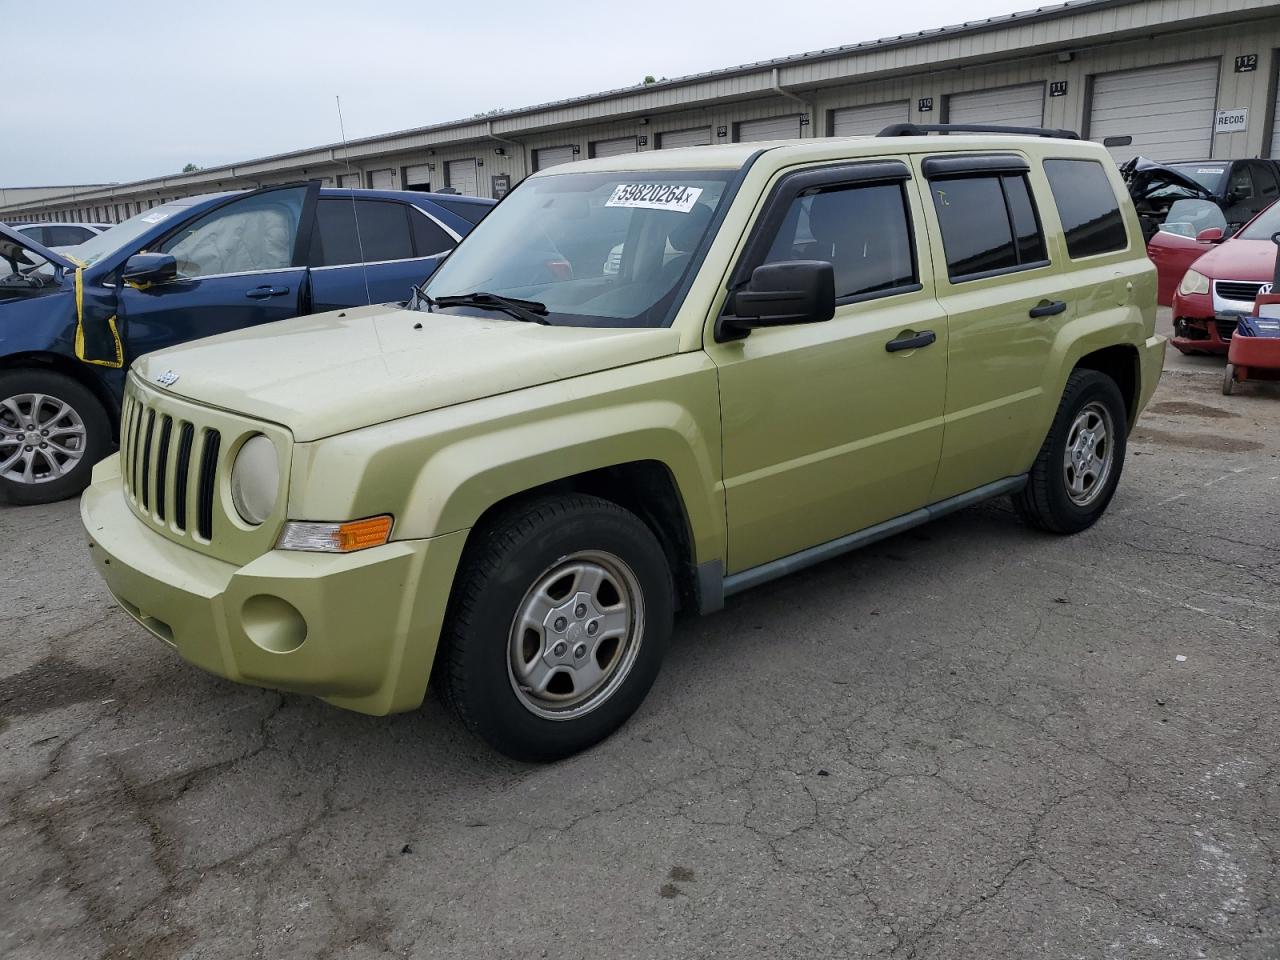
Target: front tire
52,431
557,626
1078,468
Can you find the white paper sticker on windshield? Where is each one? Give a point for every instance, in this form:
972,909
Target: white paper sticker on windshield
655,196
156,217
1208,171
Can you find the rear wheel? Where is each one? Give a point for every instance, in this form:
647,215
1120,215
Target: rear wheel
1078,467
52,432
1229,379
557,627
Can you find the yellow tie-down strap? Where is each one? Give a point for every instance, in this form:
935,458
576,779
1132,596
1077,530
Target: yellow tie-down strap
118,361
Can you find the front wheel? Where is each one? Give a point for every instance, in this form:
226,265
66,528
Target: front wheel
1078,468
52,431
557,627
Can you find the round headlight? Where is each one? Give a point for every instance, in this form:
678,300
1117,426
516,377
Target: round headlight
255,480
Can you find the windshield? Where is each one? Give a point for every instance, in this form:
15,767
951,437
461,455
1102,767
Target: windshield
109,241
598,249
1208,175
1265,226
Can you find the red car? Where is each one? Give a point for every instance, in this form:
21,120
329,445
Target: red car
1211,283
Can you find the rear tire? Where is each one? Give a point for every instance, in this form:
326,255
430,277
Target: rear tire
557,626
1078,468
52,431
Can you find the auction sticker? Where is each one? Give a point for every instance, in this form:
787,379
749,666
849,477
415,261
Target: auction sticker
157,216
655,196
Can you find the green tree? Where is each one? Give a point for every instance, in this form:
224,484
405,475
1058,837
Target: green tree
190,168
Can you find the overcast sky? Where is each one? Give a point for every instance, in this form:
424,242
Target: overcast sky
117,92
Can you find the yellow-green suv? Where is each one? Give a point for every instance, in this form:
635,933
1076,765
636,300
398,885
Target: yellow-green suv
641,385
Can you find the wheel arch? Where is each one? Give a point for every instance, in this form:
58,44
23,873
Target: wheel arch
79,372
1122,364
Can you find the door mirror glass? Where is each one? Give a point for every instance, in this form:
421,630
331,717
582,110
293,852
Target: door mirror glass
146,268
1187,218
800,291
1212,235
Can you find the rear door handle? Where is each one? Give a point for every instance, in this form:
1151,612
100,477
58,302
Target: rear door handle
1047,308
266,292
915,340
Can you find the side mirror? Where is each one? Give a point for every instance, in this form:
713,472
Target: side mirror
1211,235
146,268
780,294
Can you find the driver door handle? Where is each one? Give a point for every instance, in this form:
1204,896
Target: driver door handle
266,292
1047,308
911,342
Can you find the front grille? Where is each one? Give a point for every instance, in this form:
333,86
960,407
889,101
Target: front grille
157,473
1226,328
1244,291
175,465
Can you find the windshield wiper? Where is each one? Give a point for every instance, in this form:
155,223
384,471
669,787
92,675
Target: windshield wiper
530,311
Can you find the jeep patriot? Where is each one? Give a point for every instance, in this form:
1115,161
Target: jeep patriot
643,384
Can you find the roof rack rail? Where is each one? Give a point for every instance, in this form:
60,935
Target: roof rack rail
920,129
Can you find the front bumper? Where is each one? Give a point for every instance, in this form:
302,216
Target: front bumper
358,630
1151,365
1203,334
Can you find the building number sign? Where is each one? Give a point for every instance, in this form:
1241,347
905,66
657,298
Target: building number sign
1058,88
1247,63
925,104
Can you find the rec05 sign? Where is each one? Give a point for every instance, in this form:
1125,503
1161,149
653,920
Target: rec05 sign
1231,121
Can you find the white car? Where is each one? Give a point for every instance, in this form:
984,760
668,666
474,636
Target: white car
61,234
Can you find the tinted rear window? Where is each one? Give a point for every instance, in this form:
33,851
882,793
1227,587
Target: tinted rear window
989,225
1087,206
384,232
471,212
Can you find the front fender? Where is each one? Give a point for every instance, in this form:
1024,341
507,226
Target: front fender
439,472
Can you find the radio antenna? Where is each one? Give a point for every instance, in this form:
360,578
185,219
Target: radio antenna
346,156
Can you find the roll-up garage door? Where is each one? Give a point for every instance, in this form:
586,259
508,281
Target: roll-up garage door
1165,113
417,177
348,179
1275,131
697,137
552,157
613,148
774,128
461,175
869,120
1008,106
382,179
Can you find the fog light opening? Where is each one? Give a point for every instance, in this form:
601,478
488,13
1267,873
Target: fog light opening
273,624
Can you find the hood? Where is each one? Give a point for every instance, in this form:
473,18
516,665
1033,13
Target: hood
334,372
1253,260
1145,176
12,243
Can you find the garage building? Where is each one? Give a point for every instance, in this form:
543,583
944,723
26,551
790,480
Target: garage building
1168,79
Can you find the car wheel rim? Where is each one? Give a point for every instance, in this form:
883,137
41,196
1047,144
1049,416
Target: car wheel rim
42,438
575,635
1090,454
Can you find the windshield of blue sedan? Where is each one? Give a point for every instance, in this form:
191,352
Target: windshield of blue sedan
109,241
598,249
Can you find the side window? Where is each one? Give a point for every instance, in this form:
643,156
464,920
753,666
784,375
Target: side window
256,233
863,231
1087,207
989,225
1264,179
428,238
1240,185
65,235
383,234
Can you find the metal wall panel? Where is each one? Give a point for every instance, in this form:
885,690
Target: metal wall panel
868,120
1021,106
1167,113
770,128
